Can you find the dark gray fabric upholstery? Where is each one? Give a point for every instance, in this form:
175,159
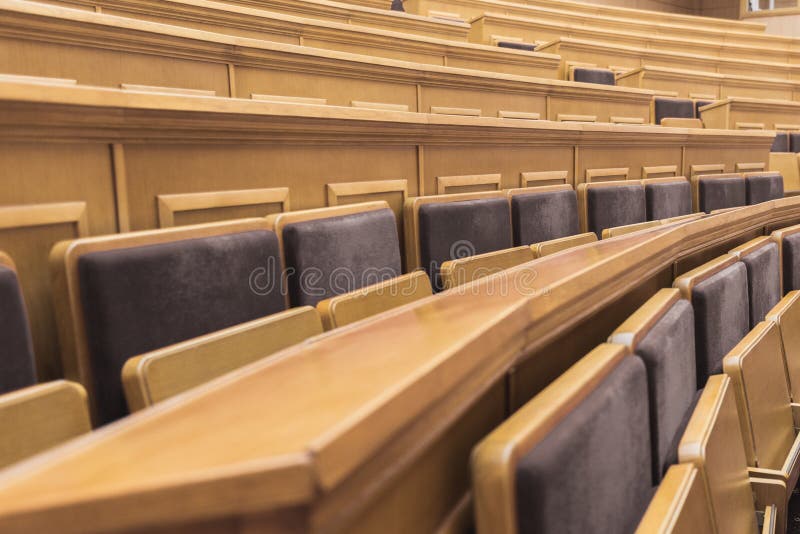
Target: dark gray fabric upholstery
781,142
668,354
763,281
17,366
336,255
794,142
699,104
668,199
452,230
397,5
681,108
516,46
537,217
601,76
722,193
762,188
142,298
722,317
591,473
671,456
791,262
608,207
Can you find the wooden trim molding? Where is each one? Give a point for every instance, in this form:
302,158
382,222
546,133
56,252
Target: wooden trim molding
751,167
468,180
166,90
337,191
28,215
169,205
659,171
710,168
543,178
607,175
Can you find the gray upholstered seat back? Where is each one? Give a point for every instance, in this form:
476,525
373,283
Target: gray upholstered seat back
669,355
763,187
336,255
720,193
17,366
790,250
601,76
681,108
607,207
699,104
538,217
781,142
722,317
452,230
794,142
591,473
142,298
667,199
517,46
763,281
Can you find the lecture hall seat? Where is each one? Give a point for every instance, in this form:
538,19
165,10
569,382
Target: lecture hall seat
671,108
763,187
543,213
761,258
336,250
123,295
788,241
717,291
17,364
603,205
712,192
666,198
589,75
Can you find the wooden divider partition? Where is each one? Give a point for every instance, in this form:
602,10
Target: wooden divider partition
86,161
353,430
707,85
737,113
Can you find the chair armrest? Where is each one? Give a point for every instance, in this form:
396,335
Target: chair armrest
768,492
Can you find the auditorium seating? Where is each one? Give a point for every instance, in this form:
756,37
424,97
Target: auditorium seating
784,315
666,110
788,240
666,198
608,204
763,187
761,258
680,504
543,213
717,291
163,373
758,376
330,251
439,228
122,295
588,75
17,365
39,417
718,191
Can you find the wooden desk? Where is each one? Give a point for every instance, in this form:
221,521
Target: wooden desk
738,112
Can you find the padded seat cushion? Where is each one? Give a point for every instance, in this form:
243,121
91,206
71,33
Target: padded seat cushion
763,188
667,199
721,315
781,142
17,365
601,76
668,353
763,281
722,193
516,46
336,255
791,262
142,298
538,217
699,104
794,142
591,473
608,207
452,230
680,108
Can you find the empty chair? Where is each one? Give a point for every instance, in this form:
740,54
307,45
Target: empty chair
17,364
761,258
608,204
516,45
667,197
464,270
331,251
788,241
574,459
122,295
163,373
712,192
794,141
39,417
718,293
374,299
543,213
758,376
786,316
713,442
587,75
661,333
781,142
699,104
680,504
672,108
447,227
763,186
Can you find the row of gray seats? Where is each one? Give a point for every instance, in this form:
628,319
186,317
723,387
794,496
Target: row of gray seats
786,142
